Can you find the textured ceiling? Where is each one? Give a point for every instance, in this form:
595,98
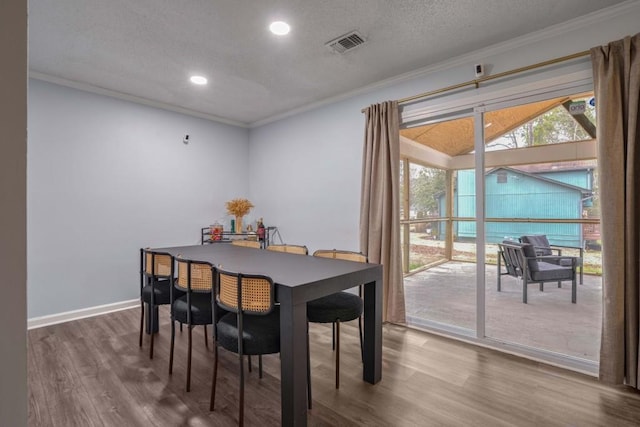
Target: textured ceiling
148,48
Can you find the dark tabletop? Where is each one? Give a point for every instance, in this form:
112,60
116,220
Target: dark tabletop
288,270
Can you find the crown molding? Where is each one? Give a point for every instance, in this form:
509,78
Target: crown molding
553,31
496,49
131,98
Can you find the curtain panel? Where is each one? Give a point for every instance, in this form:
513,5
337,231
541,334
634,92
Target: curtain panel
379,205
616,75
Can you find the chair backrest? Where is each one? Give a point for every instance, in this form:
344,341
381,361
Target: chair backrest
291,249
512,256
515,255
156,264
343,255
248,293
246,243
540,243
194,276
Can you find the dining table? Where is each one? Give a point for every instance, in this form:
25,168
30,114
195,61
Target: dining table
299,279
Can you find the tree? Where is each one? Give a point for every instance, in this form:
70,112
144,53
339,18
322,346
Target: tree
554,126
425,186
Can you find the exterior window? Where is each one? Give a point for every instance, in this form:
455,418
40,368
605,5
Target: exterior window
501,177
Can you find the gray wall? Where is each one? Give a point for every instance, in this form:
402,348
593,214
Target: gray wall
308,176
106,177
13,199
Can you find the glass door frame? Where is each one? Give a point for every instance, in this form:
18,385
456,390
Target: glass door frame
517,95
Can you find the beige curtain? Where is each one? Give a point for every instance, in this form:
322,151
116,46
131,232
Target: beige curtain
379,208
616,75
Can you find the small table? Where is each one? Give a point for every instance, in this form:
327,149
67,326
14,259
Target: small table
300,279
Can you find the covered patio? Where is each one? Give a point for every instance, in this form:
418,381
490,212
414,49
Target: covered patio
446,295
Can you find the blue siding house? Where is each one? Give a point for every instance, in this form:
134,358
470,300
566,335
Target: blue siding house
514,193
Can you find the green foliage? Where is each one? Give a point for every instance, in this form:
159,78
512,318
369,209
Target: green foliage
552,127
425,187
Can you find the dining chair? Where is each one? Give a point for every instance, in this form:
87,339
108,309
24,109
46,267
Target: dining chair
246,243
191,303
156,275
336,308
291,249
251,325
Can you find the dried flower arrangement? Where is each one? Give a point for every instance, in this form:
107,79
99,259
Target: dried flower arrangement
239,207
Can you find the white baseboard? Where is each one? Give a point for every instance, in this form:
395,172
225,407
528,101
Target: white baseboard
67,316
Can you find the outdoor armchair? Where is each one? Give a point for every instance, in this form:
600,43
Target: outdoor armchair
522,262
543,247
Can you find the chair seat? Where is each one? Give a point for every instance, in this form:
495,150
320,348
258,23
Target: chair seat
341,305
565,262
260,334
162,292
200,309
549,272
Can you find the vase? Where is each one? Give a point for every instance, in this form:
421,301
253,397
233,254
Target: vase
238,224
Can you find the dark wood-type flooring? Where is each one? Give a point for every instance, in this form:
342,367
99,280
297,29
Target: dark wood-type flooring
91,372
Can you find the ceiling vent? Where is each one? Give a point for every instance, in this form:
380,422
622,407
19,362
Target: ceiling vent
346,42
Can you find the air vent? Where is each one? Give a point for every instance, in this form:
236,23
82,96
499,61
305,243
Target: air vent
346,42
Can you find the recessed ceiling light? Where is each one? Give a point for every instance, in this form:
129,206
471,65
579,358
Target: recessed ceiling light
198,80
279,28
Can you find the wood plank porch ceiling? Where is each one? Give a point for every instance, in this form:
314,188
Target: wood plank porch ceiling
455,137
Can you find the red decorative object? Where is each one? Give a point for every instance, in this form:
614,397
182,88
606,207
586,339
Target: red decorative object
216,231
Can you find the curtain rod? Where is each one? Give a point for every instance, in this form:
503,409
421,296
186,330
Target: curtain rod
477,82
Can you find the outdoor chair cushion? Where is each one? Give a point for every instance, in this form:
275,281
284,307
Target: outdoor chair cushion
530,252
549,272
540,242
545,270
543,248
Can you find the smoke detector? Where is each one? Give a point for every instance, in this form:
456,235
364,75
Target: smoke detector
346,42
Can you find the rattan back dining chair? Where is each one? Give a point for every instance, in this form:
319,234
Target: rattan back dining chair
336,308
290,249
250,326
247,243
156,275
191,298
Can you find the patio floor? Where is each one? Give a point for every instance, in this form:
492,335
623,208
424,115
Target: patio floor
446,294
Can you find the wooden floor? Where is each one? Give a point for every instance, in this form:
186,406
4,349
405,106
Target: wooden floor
91,372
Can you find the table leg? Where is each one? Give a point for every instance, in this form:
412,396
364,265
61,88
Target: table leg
148,314
372,369
293,360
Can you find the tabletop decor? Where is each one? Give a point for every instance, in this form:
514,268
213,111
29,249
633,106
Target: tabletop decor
239,208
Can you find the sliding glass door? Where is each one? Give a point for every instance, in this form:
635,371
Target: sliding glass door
494,173
540,187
